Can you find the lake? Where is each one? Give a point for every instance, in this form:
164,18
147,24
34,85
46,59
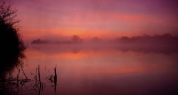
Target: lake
76,70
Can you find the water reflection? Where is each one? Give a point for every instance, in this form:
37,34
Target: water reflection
108,71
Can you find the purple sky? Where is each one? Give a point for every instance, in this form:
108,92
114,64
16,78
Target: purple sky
102,18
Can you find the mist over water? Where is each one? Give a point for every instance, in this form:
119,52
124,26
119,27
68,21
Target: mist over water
165,43
75,48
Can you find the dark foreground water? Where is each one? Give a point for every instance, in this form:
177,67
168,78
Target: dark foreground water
65,70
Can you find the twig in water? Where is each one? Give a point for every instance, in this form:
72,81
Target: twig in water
18,78
23,72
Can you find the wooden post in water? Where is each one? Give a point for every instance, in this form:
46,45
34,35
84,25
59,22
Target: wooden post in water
39,79
55,79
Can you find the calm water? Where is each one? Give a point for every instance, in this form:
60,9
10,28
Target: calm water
97,71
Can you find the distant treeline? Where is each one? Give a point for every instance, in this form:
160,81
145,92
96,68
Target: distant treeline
165,39
39,41
74,39
165,44
146,39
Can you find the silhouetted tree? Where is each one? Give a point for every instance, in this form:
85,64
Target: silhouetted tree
39,41
10,38
76,39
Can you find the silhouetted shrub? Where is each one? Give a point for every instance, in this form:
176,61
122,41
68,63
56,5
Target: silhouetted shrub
11,44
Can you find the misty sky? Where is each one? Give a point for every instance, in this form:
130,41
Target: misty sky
90,18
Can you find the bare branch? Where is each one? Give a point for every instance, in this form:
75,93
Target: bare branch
7,14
